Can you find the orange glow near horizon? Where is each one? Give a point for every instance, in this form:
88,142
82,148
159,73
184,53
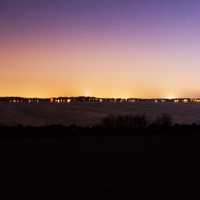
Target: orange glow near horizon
50,72
92,50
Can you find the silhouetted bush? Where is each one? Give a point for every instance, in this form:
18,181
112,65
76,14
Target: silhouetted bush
164,120
124,121
135,122
140,121
108,122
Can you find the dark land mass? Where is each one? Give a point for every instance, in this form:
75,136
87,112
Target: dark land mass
178,138
123,133
53,152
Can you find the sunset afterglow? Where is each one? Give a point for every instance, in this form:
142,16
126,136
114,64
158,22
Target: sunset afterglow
114,48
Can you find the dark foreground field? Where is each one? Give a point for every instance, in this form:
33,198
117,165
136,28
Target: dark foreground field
51,154
100,139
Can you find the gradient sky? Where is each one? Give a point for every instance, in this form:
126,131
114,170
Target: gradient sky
109,48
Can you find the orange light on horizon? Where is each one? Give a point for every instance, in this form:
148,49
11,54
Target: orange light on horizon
170,97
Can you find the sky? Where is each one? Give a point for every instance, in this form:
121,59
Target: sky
107,48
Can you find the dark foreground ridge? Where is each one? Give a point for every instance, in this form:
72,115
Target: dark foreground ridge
114,134
103,173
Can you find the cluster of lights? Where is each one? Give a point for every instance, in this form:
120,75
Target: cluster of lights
101,100
22,101
196,100
60,101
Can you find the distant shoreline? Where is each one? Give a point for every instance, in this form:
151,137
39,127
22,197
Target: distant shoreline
97,99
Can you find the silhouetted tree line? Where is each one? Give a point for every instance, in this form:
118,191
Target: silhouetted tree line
116,122
113,133
110,125
135,122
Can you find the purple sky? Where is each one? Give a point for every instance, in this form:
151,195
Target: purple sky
126,48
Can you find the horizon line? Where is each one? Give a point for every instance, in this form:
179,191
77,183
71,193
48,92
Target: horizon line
57,97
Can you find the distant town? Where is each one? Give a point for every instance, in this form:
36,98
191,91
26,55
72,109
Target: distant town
67,100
